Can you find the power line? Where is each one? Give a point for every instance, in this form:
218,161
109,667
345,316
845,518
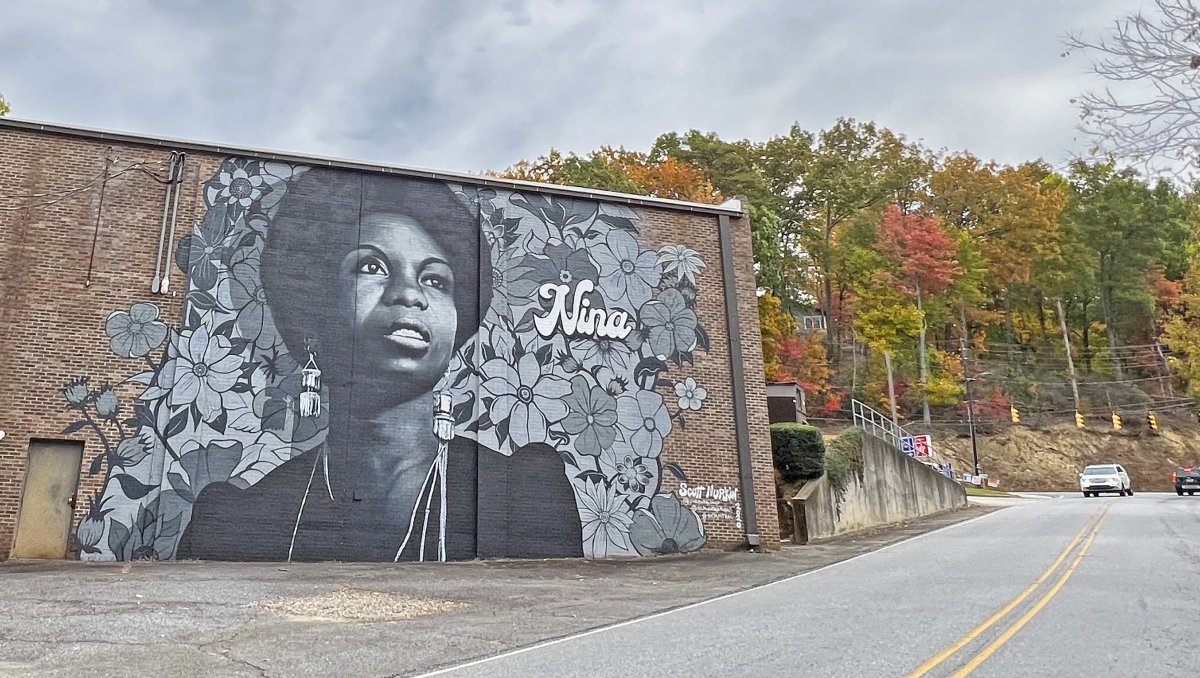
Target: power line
63,194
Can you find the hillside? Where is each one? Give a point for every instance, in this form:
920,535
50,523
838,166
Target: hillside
1050,458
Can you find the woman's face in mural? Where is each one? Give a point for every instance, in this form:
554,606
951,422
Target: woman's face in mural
403,290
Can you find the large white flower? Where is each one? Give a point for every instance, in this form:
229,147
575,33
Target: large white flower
606,520
527,399
203,370
611,353
683,262
644,418
628,275
238,187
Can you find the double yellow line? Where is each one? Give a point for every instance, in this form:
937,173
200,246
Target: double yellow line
1093,524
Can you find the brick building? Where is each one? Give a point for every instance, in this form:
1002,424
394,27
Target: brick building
223,353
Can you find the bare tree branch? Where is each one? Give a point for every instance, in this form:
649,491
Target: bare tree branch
1152,119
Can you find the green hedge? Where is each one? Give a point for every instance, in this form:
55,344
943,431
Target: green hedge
798,450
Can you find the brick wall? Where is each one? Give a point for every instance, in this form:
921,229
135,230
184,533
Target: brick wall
53,312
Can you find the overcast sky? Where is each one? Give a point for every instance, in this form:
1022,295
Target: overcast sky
472,85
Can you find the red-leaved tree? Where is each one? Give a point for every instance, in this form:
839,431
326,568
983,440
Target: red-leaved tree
927,263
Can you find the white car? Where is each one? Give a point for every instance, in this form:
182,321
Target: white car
1105,478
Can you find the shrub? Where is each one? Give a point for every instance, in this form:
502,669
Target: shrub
798,450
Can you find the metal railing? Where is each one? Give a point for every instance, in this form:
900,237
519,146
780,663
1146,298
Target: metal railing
877,423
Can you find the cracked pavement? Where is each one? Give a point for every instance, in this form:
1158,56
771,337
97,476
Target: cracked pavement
201,619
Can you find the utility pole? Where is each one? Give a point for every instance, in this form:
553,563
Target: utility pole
1062,321
887,360
967,380
1166,367
921,355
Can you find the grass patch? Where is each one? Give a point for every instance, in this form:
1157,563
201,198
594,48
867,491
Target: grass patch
985,492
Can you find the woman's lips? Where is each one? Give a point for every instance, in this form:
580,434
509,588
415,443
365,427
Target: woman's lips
409,333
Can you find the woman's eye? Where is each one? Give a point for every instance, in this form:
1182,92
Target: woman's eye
437,282
371,267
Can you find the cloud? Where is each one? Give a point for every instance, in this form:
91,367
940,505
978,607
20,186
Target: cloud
463,85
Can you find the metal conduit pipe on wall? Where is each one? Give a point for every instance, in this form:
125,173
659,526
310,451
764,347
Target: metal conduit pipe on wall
162,231
178,183
741,416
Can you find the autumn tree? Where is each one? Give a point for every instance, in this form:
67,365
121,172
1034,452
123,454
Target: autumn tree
1181,331
777,327
828,180
617,169
1011,215
925,260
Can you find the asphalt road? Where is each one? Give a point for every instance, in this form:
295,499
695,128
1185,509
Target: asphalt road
1065,586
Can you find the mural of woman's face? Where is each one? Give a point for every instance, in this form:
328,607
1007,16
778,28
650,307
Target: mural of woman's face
405,317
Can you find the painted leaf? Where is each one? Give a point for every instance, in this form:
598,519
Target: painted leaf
73,427
132,487
677,471
118,537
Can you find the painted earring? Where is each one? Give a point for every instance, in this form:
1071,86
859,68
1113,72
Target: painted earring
310,383
443,414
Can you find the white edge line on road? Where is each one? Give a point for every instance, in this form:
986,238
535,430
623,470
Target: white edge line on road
690,606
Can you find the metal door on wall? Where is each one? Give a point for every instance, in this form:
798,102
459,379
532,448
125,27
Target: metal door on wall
48,501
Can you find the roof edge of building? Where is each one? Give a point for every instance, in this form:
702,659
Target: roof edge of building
732,207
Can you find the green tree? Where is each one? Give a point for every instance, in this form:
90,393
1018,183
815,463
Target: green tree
4,107
1124,224
732,167
828,180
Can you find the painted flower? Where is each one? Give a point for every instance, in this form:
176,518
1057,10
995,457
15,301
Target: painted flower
510,287
610,353
606,519
593,417
691,395
136,332
76,392
249,299
495,341
563,265
644,418
670,324
628,275
204,369
498,230
685,263
629,472
237,187
200,253
91,528
107,405
668,527
524,397
633,474
131,451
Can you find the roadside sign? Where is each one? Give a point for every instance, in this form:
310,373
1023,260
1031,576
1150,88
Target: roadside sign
975,480
993,482
922,445
907,446
966,477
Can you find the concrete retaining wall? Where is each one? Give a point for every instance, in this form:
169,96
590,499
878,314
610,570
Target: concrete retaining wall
893,487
